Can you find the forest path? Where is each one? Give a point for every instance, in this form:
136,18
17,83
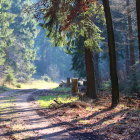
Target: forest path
20,120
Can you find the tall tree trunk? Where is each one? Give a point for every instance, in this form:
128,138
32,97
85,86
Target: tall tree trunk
138,22
127,60
130,34
91,84
43,59
127,64
112,54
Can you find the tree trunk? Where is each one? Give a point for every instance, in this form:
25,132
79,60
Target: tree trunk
74,86
68,81
91,84
138,22
130,34
127,60
112,54
127,64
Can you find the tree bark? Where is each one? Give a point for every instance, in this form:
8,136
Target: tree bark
127,64
68,81
112,54
138,22
130,34
127,60
74,86
91,84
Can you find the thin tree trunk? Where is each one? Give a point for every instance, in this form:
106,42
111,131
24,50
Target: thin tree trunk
112,54
91,84
138,22
130,34
127,65
127,60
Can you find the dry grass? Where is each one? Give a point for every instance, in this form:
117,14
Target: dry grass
36,84
39,84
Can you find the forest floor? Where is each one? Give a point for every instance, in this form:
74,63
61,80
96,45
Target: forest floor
21,118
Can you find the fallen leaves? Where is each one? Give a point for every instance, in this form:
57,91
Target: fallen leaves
121,123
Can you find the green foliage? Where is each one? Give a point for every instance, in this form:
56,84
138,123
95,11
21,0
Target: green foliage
18,31
82,25
132,83
46,78
48,101
10,77
6,32
78,59
18,86
61,89
25,30
106,86
4,88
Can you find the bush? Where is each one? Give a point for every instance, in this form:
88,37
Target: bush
10,79
18,86
106,86
46,78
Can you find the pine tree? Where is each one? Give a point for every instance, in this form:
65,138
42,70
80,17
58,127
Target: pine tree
25,31
78,59
64,28
6,32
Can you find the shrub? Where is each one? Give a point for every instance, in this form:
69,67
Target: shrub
106,86
46,78
10,78
18,86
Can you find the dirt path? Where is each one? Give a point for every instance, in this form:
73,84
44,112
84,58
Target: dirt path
20,121
5,107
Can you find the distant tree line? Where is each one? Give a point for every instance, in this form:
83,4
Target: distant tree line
17,34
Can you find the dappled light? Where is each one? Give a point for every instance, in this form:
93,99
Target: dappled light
69,70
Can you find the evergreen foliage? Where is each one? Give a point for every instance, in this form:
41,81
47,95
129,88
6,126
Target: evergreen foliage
6,32
18,31
26,28
78,59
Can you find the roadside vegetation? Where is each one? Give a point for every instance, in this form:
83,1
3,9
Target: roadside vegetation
34,84
56,100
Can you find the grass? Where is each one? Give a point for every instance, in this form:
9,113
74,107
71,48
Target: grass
62,89
38,84
4,88
48,101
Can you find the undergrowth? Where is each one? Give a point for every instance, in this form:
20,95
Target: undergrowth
51,100
62,89
4,88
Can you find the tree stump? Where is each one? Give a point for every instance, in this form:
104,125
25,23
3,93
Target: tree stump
68,81
74,85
